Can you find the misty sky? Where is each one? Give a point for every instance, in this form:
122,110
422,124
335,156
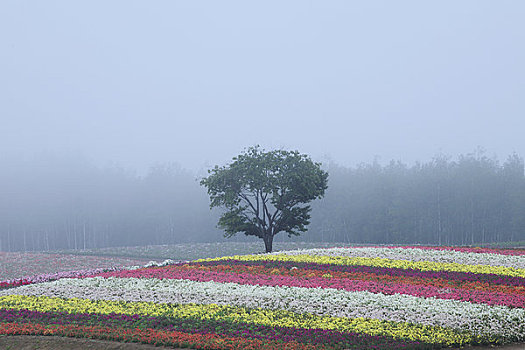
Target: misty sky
195,82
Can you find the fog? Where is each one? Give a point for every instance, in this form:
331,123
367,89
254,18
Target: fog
100,93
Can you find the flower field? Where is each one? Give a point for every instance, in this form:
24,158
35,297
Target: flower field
44,266
323,298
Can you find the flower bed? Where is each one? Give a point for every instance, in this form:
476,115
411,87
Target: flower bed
20,266
329,298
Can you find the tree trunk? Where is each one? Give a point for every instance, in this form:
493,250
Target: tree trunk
268,241
84,240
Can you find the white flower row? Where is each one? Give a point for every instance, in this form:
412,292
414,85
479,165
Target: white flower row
477,318
164,263
416,254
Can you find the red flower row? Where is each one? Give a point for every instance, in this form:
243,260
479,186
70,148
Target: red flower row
150,336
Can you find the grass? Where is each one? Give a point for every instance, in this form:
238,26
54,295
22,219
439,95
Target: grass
192,251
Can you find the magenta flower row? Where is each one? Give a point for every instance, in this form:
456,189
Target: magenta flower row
53,276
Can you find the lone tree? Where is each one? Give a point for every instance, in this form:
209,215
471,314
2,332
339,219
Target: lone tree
265,193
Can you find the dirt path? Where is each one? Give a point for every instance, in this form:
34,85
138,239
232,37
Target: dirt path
25,342
504,347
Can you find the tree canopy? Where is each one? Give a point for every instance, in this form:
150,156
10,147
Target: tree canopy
265,193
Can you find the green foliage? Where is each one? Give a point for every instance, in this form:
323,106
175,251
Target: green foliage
265,193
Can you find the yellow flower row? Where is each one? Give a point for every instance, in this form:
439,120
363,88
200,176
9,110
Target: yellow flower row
379,262
272,318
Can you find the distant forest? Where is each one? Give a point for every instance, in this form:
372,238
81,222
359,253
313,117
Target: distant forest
51,203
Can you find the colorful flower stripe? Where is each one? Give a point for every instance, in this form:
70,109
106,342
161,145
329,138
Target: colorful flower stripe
379,262
229,329
240,268
415,254
149,336
454,277
476,296
322,302
257,316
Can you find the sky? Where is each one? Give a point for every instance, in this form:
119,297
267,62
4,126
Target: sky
137,83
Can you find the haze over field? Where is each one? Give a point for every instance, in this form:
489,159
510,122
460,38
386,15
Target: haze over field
110,112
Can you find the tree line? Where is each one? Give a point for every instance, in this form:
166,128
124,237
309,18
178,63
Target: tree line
49,203
470,200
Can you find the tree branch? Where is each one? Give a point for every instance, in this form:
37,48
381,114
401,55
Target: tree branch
243,196
260,222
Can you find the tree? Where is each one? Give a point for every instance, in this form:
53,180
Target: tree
265,193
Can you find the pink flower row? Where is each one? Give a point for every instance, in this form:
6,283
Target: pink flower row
53,276
474,296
